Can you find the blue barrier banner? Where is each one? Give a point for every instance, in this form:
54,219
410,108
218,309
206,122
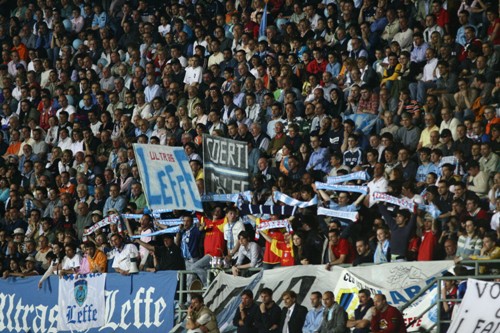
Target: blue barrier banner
167,178
142,302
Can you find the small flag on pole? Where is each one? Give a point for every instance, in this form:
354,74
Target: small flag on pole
263,25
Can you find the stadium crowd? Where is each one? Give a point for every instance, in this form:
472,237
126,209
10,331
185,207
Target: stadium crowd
407,91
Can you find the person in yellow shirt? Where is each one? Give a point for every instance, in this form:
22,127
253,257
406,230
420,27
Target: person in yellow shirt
197,167
489,251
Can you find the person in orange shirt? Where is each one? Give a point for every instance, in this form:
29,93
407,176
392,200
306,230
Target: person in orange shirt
21,49
95,260
490,116
66,186
15,144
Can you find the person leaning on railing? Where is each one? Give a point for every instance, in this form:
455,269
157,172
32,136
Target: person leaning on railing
489,251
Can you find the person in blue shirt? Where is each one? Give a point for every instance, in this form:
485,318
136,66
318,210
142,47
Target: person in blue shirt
426,166
314,317
100,18
319,160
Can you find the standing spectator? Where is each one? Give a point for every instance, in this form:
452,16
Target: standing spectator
123,255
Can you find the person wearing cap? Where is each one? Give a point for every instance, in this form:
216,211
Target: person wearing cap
447,141
166,255
428,246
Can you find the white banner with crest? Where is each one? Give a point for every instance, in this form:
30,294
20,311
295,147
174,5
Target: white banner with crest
81,302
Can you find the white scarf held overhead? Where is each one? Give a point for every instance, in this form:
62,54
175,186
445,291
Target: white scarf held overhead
353,216
289,201
343,188
272,224
112,219
362,175
405,204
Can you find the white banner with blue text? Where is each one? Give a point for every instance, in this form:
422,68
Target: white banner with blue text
81,302
167,178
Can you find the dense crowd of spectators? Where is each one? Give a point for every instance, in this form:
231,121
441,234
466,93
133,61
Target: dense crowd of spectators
81,82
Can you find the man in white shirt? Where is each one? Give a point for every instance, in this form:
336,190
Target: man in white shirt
418,90
70,109
377,184
152,89
194,72
71,262
124,254
405,36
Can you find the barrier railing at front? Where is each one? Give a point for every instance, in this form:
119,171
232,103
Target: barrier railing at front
184,290
437,282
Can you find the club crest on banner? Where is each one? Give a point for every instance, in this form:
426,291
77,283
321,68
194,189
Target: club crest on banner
348,298
80,291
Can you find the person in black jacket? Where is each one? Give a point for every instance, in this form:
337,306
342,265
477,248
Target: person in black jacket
269,314
245,316
363,313
293,315
167,256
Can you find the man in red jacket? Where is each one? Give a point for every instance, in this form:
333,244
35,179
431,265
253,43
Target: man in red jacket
386,318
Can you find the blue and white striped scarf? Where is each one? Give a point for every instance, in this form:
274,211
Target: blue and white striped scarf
173,222
138,216
172,230
343,188
353,216
405,204
234,197
431,209
111,219
289,201
362,175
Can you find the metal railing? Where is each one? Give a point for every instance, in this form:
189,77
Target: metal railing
184,290
437,283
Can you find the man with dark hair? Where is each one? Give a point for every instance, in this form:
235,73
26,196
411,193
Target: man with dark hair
338,251
293,315
244,319
363,314
269,314
200,318
401,227
167,256
248,254
386,318
364,253
315,316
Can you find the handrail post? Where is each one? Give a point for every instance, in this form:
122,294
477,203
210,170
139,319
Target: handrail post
438,304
